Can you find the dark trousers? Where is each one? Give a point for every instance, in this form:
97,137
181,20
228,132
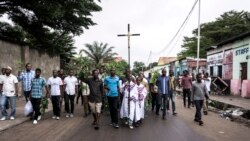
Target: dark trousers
56,105
86,104
162,99
198,105
113,108
36,107
172,98
69,99
27,95
153,100
78,96
187,93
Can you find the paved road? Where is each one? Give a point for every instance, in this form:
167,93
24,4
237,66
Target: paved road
179,128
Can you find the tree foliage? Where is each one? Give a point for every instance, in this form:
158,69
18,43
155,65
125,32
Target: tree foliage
151,65
228,25
119,67
46,24
137,67
81,65
99,53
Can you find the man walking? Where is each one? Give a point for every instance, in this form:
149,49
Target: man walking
26,77
95,97
172,90
37,85
186,83
71,89
163,93
56,92
199,92
9,89
111,84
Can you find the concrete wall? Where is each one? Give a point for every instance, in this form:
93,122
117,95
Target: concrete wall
16,56
241,57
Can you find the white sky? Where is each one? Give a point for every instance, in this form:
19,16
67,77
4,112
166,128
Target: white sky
156,20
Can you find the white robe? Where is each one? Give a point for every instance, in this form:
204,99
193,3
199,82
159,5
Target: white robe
142,94
134,113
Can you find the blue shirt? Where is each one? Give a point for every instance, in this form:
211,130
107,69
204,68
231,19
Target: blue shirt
163,83
112,83
37,85
26,78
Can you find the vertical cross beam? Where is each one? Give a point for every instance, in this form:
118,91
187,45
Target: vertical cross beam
128,35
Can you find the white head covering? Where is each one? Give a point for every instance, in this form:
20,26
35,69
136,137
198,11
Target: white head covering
9,68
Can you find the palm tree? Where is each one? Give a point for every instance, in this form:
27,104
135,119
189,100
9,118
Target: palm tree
99,53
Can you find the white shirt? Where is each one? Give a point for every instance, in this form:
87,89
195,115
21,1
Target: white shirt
85,89
208,83
55,84
9,85
1,78
71,83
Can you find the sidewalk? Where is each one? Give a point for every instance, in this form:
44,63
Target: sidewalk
232,100
20,118
235,101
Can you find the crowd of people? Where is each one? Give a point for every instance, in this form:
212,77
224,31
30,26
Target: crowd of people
126,96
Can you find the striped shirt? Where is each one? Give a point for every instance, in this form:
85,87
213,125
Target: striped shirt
37,85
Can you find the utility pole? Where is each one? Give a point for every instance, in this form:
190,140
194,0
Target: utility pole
198,38
128,35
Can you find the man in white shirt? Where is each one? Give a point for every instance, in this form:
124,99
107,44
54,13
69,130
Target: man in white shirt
9,88
55,87
71,89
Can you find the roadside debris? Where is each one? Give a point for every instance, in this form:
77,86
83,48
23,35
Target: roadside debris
232,113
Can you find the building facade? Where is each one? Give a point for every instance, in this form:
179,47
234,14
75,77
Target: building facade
230,60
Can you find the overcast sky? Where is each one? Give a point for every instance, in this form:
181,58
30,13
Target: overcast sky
156,20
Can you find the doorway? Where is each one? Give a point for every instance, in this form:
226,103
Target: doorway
220,71
243,71
212,71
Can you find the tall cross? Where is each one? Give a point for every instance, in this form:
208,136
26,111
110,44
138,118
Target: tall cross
128,35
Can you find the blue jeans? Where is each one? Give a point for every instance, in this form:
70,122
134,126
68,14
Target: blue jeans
162,99
12,100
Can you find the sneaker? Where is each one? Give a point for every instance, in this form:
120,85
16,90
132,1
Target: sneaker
131,127
3,118
116,125
35,122
97,127
39,117
67,115
12,118
54,117
57,118
71,115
